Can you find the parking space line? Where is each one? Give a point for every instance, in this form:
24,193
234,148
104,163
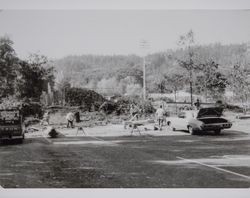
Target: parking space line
97,138
214,167
49,141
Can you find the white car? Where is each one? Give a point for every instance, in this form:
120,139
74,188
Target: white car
206,119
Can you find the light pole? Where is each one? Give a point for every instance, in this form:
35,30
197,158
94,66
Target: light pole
144,45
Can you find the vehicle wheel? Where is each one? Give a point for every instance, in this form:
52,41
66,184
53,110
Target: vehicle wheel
217,132
191,130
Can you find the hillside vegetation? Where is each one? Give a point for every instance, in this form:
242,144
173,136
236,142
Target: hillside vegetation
119,74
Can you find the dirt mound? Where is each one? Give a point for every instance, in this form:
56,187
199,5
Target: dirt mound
89,100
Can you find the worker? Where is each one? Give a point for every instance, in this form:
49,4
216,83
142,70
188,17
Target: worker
70,119
197,104
160,116
134,111
46,118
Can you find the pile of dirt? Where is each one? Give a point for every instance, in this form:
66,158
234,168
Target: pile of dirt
87,99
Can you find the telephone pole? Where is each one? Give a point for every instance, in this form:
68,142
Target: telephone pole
144,45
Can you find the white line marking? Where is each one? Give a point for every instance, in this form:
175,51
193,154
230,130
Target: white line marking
6,174
96,141
33,162
97,138
221,169
49,141
86,142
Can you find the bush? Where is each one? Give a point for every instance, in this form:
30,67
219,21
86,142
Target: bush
224,105
32,109
123,105
147,107
234,108
108,107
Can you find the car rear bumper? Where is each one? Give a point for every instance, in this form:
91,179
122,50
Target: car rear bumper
217,126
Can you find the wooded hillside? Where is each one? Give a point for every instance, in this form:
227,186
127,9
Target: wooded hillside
119,74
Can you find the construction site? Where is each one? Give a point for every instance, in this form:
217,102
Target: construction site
128,99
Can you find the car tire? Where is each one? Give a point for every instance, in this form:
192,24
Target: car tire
191,130
217,132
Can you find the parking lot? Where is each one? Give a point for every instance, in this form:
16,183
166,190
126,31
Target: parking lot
151,160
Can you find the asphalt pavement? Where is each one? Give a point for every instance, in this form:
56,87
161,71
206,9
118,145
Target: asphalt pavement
146,161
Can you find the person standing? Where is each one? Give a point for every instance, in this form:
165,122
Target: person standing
197,104
160,116
134,111
70,120
46,118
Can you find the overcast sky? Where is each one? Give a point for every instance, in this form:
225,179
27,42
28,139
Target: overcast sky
58,33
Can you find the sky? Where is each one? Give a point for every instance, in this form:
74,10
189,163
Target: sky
58,33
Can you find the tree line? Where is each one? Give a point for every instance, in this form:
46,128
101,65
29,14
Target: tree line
207,70
23,79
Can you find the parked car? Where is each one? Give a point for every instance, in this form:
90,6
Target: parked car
205,119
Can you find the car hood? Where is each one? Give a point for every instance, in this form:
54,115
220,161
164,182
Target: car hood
210,112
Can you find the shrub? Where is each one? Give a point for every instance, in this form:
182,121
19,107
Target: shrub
147,107
32,109
108,107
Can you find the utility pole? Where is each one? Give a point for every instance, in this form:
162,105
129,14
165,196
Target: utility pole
144,45
144,78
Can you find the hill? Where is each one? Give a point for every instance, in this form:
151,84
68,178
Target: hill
121,74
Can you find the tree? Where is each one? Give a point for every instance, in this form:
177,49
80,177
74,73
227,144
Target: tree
239,75
187,60
8,67
210,81
35,74
239,82
158,83
136,73
108,86
175,82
